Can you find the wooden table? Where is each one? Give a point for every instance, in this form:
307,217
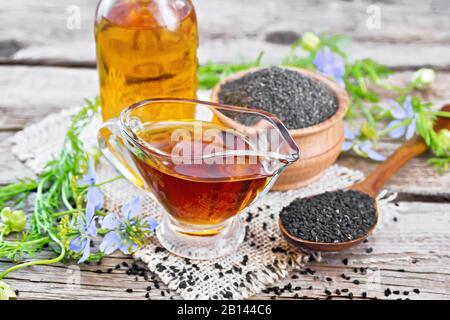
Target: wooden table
46,67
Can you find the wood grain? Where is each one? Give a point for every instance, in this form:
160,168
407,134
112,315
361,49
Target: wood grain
416,31
411,253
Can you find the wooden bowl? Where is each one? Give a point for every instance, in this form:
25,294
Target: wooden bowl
319,145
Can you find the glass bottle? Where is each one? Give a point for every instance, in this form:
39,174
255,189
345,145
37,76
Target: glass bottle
145,49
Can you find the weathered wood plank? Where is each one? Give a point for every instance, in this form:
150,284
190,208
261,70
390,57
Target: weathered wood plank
416,32
410,254
30,93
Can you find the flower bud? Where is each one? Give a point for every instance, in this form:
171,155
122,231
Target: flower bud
6,292
12,221
423,78
444,138
369,131
310,42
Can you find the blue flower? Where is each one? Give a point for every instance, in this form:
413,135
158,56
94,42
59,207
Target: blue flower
350,138
330,65
90,177
363,148
126,231
87,230
366,148
401,113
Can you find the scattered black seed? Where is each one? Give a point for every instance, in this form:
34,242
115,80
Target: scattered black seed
244,260
355,270
311,272
364,295
329,279
228,295
350,296
387,292
330,217
272,238
396,292
343,276
129,290
356,282
147,295
109,270
327,292
369,250
298,288
159,249
417,291
218,266
395,219
125,264
298,101
163,293
117,267
344,290
264,226
345,261
98,271
149,288
405,293
17,292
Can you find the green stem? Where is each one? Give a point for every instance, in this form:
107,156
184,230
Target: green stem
34,263
396,126
108,181
101,183
63,213
444,114
64,196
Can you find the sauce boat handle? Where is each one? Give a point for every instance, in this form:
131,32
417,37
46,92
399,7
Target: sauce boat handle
113,148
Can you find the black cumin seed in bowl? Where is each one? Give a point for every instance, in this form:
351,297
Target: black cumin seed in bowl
331,217
297,100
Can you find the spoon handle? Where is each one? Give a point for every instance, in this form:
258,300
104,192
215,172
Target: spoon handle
409,150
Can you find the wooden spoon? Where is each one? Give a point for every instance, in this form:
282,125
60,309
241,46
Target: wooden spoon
372,186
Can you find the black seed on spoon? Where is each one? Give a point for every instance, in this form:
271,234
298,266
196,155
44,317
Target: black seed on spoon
330,217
